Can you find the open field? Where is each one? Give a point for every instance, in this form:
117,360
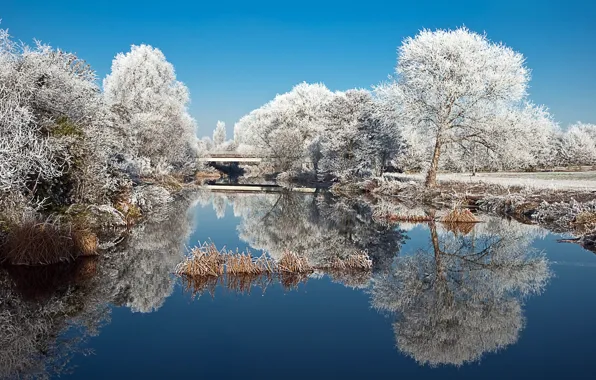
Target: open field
539,180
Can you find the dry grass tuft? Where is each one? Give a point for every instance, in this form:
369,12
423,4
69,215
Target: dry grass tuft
459,215
205,260
48,242
353,271
292,262
585,221
131,212
358,261
86,242
396,218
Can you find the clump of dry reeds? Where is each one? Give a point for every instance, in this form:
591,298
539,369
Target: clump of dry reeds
459,215
585,221
358,261
292,262
205,260
396,218
36,242
244,263
206,265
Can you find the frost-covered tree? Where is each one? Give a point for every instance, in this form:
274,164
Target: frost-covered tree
355,139
219,134
285,128
452,86
414,146
577,145
532,147
342,139
151,105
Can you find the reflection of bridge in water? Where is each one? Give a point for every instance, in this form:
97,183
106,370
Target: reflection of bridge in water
258,188
228,163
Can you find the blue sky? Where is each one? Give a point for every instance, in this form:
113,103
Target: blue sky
236,55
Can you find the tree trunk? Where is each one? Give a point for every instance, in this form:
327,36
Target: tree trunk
431,176
474,160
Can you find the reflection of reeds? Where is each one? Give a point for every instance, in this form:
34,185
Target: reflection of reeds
198,285
243,283
351,278
291,280
48,242
41,282
459,228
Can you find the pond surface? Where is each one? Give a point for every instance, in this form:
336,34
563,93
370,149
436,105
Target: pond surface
500,300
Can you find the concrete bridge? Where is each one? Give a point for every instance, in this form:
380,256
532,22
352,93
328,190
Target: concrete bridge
232,157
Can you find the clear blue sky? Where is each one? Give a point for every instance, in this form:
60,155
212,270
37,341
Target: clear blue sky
235,56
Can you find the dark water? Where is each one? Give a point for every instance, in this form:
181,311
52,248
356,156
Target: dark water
502,300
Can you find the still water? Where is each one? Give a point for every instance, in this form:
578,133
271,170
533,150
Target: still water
500,300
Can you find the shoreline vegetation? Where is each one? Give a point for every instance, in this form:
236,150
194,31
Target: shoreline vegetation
557,210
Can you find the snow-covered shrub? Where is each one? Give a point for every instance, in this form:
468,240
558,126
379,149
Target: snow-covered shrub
53,146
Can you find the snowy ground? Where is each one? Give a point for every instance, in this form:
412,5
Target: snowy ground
547,180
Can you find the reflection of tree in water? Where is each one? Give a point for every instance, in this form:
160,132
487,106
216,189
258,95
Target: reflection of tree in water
47,313
317,227
454,303
464,297
43,323
143,266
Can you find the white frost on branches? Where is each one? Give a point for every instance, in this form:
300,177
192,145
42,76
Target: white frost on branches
151,105
461,98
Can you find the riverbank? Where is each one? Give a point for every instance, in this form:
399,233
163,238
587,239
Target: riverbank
36,237
570,210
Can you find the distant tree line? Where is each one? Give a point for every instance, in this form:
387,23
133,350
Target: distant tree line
457,102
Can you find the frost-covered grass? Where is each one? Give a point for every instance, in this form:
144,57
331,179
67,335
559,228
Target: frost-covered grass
534,180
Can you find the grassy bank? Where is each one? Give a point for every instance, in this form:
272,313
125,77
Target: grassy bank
567,210
63,234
